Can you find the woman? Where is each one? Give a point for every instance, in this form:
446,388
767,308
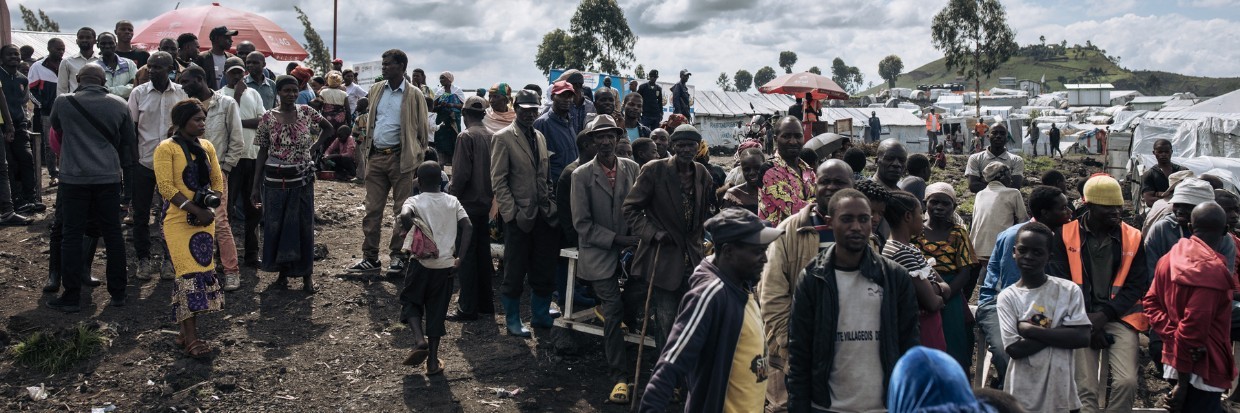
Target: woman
948,243
448,104
745,195
284,183
185,165
304,94
903,214
499,115
334,101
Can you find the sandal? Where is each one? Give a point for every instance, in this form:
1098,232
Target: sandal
619,394
416,357
437,371
198,349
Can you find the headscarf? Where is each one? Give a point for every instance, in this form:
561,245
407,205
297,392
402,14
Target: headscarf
675,120
926,380
451,78
942,188
501,88
303,75
334,79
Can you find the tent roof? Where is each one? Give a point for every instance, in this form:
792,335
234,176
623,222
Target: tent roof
861,116
721,103
1228,103
1090,86
1152,99
38,40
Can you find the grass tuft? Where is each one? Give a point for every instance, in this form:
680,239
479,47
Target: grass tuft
54,353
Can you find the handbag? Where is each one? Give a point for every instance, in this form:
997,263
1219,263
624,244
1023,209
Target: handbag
419,240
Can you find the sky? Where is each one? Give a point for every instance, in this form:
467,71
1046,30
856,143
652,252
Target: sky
483,42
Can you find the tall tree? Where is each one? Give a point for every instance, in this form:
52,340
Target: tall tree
602,33
743,80
974,37
320,58
38,23
889,69
787,59
640,72
724,82
764,75
848,77
553,52
815,70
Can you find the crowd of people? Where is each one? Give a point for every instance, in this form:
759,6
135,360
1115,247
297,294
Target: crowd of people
789,283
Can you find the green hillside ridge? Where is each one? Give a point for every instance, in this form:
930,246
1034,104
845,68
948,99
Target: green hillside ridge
1072,67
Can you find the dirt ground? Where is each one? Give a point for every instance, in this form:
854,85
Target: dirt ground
338,350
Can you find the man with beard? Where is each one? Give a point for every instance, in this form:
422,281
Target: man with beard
67,75
787,184
996,153
150,106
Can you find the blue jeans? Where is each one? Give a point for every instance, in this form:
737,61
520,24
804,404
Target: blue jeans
988,320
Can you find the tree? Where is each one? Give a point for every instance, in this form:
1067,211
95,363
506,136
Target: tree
602,33
639,72
724,82
787,59
815,70
39,23
848,77
889,69
320,58
743,80
764,76
974,38
553,52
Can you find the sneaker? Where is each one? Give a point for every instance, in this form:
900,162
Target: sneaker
166,272
397,266
364,266
232,282
64,305
14,219
144,270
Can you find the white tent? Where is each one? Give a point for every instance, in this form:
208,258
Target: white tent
717,113
897,123
1228,103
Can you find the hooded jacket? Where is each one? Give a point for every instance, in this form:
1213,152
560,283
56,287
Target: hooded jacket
1189,306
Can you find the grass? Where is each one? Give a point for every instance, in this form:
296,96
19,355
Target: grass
53,353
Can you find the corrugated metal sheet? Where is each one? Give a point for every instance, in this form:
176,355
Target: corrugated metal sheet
38,40
728,104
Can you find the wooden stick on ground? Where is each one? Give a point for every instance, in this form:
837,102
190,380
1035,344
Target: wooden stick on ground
641,342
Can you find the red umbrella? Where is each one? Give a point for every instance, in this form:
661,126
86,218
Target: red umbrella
267,37
798,84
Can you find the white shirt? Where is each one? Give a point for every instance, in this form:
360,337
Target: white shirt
978,161
224,130
152,111
441,212
355,92
250,107
67,75
1043,381
994,210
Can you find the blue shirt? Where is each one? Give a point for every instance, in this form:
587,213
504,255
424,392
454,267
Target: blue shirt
266,89
1001,270
387,117
304,97
561,141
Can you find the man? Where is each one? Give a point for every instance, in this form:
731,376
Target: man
662,142
995,208
876,128
716,344
337,64
212,61
224,133
1053,135
1103,256
564,207
891,160
599,187
644,151
43,80
250,108
187,49
1167,232
90,185
807,235
996,153
398,142
124,35
652,101
255,66
1155,181
1162,207
918,175
27,54
67,75
604,104
1047,205
8,217
355,92
165,45
119,70
666,209
633,86
519,167
471,185
933,123
150,107
680,95
853,314
631,119
583,106
1189,305
797,109
1034,134
22,173
787,186
557,127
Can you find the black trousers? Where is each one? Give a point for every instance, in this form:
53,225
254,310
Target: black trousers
142,184
240,189
535,253
1201,401
21,168
426,295
476,268
81,203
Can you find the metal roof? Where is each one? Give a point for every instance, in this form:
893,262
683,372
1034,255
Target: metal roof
888,116
721,103
38,40
1074,86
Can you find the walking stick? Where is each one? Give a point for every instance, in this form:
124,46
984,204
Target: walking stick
641,343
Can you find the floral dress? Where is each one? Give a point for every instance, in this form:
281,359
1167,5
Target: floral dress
784,191
950,256
191,248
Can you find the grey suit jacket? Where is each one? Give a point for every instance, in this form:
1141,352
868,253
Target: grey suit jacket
521,188
598,216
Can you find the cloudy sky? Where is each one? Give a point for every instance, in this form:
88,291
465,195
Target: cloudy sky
483,42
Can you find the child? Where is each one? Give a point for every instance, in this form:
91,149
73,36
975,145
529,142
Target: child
940,160
1043,319
360,132
428,280
340,155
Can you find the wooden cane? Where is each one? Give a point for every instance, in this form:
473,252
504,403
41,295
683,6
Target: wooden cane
641,343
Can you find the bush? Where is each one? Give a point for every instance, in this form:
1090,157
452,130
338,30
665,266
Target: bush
53,353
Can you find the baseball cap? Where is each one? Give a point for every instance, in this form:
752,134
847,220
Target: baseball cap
561,87
233,63
475,103
527,99
221,31
685,72
740,225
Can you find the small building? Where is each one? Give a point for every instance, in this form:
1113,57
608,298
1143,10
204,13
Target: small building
1033,87
1007,82
1149,102
1089,94
720,115
897,123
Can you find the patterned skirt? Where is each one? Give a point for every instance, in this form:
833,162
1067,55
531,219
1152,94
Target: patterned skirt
196,293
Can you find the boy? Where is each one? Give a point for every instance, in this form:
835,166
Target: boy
428,280
1042,319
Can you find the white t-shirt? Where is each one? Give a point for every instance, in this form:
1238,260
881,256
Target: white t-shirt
857,372
441,213
1043,381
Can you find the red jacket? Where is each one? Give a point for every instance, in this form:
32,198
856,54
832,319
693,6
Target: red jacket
1189,305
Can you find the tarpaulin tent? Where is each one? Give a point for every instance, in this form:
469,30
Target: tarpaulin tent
717,113
897,123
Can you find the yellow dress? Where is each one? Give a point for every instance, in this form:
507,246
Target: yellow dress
191,248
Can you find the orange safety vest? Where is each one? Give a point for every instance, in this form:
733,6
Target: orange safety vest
1131,238
932,122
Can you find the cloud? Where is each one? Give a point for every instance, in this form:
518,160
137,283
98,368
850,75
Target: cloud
1208,3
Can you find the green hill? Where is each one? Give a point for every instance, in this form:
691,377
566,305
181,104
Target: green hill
1084,65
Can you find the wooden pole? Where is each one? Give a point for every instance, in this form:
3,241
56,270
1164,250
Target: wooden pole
335,19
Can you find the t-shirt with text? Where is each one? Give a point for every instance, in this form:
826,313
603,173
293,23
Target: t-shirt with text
857,372
1043,381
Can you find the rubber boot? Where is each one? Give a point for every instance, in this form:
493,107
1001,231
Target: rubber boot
512,316
540,306
53,282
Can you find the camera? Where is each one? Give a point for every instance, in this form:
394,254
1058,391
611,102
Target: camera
205,198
